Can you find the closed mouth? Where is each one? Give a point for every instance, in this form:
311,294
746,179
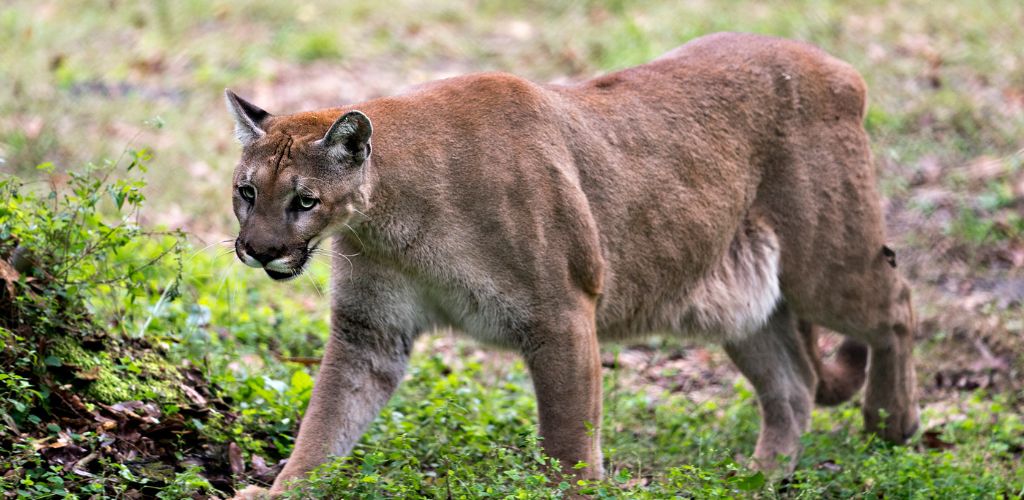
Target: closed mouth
288,274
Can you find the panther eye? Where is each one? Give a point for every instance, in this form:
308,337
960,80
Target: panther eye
306,202
248,193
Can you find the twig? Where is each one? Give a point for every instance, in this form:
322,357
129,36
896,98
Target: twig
302,360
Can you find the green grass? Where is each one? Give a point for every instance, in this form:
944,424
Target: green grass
458,426
84,79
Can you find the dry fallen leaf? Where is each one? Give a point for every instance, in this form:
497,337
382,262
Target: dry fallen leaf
193,395
829,465
932,439
90,374
9,276
235,459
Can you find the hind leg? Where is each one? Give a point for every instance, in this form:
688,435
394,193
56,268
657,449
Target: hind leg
775,362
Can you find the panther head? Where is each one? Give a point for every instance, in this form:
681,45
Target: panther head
299,179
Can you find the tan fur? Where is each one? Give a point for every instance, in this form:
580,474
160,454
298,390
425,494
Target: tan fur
724,190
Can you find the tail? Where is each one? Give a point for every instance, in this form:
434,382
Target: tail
839,380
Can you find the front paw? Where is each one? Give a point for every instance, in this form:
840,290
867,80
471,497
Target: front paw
252,493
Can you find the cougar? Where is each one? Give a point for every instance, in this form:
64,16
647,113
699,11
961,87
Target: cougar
723,191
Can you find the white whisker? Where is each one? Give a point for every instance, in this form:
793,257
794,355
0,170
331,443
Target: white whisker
354,234
197,252
224,278
324,251
315,286
338,254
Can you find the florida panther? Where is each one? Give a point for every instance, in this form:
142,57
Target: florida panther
724,190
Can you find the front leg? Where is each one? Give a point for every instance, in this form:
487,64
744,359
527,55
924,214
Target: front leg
565,364
361,368
890,399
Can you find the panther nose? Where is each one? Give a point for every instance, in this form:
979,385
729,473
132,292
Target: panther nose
263,255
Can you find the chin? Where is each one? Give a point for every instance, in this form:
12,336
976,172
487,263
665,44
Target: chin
284,276
288,274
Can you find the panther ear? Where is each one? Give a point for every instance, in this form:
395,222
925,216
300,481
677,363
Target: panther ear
249,118
349,136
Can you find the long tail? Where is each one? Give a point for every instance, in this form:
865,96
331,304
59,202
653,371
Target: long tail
839,380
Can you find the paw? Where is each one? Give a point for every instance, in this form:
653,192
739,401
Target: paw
896,427
776,459
252,493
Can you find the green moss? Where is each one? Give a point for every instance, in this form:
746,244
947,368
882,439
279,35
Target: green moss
134,376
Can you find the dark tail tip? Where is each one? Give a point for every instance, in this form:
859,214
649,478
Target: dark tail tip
840,379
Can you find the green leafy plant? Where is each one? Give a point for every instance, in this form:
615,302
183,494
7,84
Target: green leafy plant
75,239
73,263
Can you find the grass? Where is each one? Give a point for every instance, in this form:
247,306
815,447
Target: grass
84,79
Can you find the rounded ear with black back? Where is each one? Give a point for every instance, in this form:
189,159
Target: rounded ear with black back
249,118
349,137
